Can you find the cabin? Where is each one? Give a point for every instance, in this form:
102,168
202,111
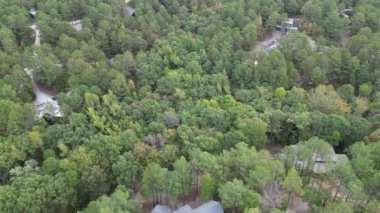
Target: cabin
161,209
77,25
348,12
184,209
50,108
209,207
33,12
288,25
128,11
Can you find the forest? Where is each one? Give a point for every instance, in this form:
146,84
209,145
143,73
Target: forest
183,101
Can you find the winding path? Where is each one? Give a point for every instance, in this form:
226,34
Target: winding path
45,103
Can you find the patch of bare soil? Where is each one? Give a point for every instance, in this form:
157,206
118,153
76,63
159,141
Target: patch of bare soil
344,36
274,148
270,37
45,89
327,185
298,206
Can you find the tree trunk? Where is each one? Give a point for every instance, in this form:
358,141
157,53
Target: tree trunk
154,198
292,201
320,184
328,194
332,185
286,164
290,195
196,185
369,198
337,191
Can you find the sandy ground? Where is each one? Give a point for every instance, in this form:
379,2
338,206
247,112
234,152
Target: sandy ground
312,43
270,37
344,37
37,34
44,95
276,35
298,206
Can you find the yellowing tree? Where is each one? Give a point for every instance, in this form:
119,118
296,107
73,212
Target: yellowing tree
325,99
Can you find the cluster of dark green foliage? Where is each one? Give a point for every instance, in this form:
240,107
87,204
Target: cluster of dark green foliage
172,102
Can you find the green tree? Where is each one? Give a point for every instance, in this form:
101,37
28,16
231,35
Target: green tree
312,11
95,183
184,170
333,25
119,201
260,177
234,195
249,34
127,170
346,91
340,206
273,20
255,129
208,187
154,182
292,185
325,99
292,6
174,188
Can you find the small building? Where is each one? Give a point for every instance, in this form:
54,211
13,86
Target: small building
128,11
33,12
209,207
288,25
49,108
161,209
184,209
348,12
77,25
294,24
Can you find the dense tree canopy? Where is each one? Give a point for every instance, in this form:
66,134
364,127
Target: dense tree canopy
182,102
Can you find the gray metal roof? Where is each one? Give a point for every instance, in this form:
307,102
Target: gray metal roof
161,209
210,207
77,25
128,11
184,209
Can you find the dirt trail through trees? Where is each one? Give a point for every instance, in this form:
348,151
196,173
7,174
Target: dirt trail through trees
44,95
